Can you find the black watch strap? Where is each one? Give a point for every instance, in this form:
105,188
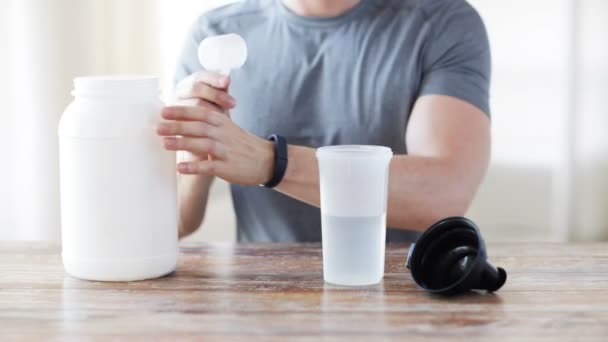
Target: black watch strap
280,160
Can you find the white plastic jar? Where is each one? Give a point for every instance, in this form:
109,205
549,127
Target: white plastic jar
118,185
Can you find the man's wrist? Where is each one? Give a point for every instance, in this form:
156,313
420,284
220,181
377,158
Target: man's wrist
279,161
267,162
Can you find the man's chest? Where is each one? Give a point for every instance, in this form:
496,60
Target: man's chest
330,91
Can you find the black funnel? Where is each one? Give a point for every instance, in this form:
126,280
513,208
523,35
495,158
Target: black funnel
450,258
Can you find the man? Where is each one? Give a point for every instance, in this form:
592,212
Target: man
412,75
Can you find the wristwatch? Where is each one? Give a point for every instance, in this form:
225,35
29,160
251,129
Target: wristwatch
280,160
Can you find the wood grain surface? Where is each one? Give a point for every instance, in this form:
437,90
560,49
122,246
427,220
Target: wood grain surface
275,292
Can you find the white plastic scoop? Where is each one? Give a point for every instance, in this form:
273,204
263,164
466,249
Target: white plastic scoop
222,53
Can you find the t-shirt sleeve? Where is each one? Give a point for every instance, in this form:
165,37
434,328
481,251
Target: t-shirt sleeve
457,61
187,62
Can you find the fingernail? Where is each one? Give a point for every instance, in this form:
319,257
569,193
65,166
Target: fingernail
166,113
162,128
231,101
183,167
223,81
170,142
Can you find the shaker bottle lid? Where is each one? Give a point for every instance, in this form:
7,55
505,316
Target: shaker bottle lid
354,151
450,258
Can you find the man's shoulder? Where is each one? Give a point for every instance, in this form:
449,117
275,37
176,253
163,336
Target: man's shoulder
435,10
235,11
431,11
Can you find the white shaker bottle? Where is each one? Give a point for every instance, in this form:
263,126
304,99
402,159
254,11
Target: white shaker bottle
353,184
118,185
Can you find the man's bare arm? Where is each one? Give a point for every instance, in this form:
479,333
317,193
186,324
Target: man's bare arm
448,153
448,144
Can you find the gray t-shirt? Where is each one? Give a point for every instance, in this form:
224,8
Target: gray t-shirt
350,79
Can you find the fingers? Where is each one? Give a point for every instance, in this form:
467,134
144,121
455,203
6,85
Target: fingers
187,129
207,86
198,146
201,103
210,106
187,113
211,78
209,167
213,95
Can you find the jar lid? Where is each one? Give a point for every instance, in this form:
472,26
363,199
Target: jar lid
116,85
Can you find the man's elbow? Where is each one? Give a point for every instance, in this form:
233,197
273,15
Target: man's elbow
186,230
456,205
460,191
442,207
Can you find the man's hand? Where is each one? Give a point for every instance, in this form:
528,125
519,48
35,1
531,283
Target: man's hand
208,90
238,156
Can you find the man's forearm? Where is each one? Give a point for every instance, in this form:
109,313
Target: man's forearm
421,189
301,180
448,142
193,194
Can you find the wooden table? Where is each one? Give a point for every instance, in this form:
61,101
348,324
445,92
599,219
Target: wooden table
276,292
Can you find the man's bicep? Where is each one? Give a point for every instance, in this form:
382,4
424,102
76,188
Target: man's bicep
452,129
457,61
